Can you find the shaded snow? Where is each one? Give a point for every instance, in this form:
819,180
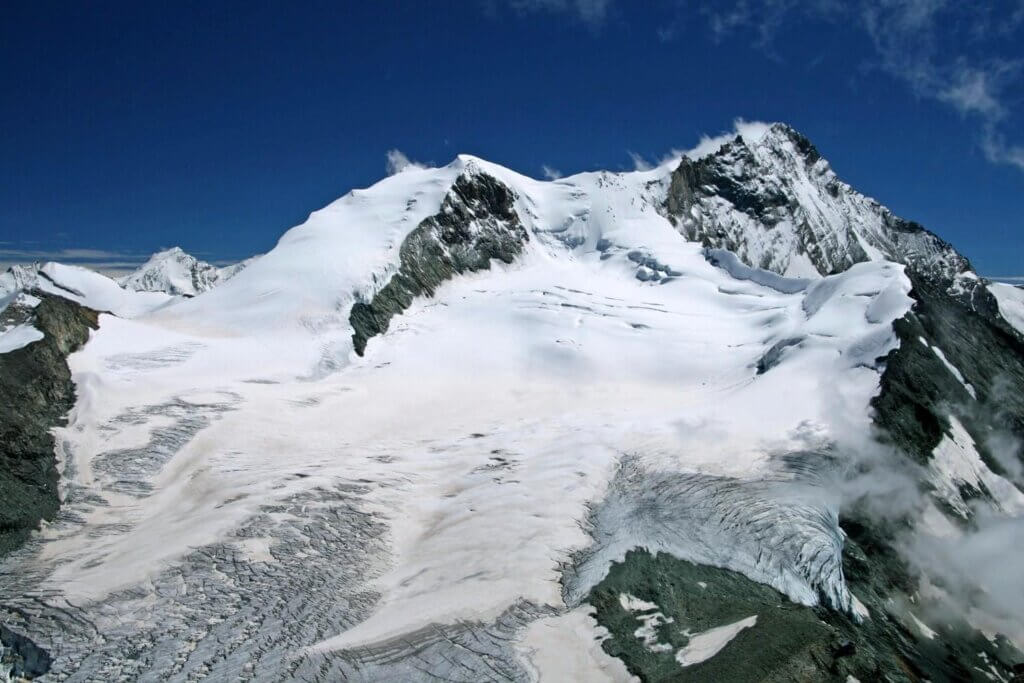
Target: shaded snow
650,621
568,647
923,628
18,336
631,603
706,644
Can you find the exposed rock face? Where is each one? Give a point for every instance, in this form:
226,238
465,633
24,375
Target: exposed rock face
477,222
778,205
788,642
35,393
919,390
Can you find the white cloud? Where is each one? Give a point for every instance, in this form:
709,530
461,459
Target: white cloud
551,173
398,162
639,163
972,93
29,253
999,151
942,50
104,260
751,131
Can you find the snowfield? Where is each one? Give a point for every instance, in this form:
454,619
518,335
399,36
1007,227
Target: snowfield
242,489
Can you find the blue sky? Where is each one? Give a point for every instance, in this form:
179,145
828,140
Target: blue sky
216,126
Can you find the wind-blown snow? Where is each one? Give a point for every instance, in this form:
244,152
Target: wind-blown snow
922,627
751,131
478,431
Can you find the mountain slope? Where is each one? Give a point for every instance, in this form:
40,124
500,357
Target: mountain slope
456,422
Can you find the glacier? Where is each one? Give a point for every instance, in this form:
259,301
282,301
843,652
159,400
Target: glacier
246,492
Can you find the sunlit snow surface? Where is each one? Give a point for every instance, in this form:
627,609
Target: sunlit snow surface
245,494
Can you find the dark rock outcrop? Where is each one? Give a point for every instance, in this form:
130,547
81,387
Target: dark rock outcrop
789,642
919,392
36,393
22,658
477,222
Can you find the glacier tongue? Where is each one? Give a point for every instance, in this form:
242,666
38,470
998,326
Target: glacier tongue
768,529
241,486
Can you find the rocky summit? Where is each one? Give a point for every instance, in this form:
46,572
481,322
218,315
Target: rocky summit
722,419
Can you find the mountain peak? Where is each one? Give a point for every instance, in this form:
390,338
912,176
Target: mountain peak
175,271
771,198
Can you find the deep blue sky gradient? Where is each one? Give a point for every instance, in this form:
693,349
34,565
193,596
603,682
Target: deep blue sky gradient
216,126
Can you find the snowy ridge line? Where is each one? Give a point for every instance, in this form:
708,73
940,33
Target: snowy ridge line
166,278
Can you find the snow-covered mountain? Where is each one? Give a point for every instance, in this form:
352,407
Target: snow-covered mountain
778,204
719,419
175,272
22,285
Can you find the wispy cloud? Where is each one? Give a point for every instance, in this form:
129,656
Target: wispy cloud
752,131
943,51
972,91
639,163
104,260
550,173
962,55
398,162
